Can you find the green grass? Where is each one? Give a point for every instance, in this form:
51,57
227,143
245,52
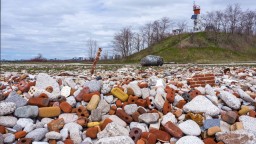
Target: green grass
202,50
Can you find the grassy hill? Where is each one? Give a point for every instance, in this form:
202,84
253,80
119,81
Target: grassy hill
201,47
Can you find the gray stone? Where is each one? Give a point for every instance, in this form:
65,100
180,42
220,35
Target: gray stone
17,99
96,115
7,108
201,104
1,139
211,123
26,112
8,121
93,85
231,100
149,117
29,127
109,99
103,106
145,93
24,121
190,127
71,100
189,140
18,127
130,108
53,135
169,117
152,60
113,129
9,138
37,134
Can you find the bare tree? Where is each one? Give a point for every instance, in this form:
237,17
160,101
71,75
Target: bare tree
233,13
92,46
123,41
182,25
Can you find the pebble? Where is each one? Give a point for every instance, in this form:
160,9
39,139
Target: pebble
149,117
189,140
190,127
142,126
169,117
17,99
96,115
103,106
238,136
93,85
53,135
113,129
211,123
65,91
37,134
8,121
230,100
10,138
136,89
116,140
201,104
7,108
106,88
24,121
249,123
68,117
26,112
245,96
130,109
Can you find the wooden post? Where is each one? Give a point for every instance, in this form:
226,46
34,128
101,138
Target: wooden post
95,61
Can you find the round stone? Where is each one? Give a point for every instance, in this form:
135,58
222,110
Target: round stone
189,140
190,127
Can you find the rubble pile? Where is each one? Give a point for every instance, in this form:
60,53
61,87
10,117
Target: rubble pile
170,105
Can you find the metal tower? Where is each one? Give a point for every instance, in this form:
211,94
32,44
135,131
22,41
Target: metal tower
196,17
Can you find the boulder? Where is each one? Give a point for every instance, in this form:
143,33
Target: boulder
152,60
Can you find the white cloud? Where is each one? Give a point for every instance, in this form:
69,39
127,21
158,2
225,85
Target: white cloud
60,28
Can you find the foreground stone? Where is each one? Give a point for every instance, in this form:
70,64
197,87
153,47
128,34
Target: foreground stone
152,60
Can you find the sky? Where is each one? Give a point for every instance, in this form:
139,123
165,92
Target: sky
60,28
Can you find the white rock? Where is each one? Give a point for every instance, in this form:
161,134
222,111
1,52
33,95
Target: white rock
64,133
116,140
106,88
201,89
160,83
159,101
209,90
109,99
112,129
169,117
70,82
152,92
201,104
44,80
7,108
29,127
65,91
74,131
24,121
68,117
213,99
249,123
231,100
145,92
8,121
141,126
117,120
177,98
190,127
53,135
136,89
71,100
130,108
149,117
245,96
189,140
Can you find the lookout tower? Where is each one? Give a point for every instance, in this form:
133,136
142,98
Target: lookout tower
196,17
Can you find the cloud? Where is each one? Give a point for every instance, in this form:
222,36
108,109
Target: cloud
60,28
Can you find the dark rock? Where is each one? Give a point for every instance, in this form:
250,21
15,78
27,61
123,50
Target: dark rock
152,60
